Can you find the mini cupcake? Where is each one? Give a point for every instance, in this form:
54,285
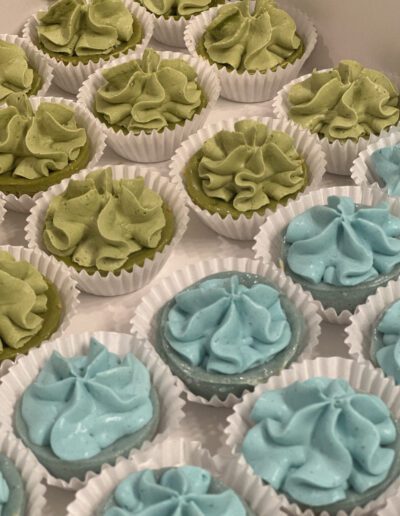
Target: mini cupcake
324,434
346,108
181,90
254,47
113,227
78,36
224,332
88,401
44,141
340,244
235,172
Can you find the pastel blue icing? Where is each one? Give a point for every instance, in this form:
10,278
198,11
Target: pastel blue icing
4,493
315,440
226,327
388,356
386,165
78,406
342,244
182,491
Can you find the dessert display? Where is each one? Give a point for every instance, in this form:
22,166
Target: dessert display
12,489
385,164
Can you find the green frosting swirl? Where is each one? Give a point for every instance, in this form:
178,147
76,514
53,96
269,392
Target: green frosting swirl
87,29
245,170
149,93
347,102
101,223
178,8
35,144
244,39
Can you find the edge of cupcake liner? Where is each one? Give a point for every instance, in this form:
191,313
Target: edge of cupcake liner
24,372
340,156
268,241
361,376
155,146
96,136
170,31
245,228
59,275
3,210
256,87
70,77
142,322
125,282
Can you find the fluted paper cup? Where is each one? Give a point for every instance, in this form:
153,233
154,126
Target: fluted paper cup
126,281
144,322
58,274
244,228
155,146
2,210
340,156
70,77
253,87
25,371
169,30
174,453
268,244
97,139
362,377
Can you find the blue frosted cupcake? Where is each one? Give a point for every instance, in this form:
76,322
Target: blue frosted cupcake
385,164
13,499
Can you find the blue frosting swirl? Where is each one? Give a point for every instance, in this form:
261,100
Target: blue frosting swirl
178,491
342,244
386,165
226,327
4,493
388,356
317,439
78,406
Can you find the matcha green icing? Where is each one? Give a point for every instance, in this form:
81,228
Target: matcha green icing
249,169
346,102
100,223
149,93
15,73
179,8
251,38
87,29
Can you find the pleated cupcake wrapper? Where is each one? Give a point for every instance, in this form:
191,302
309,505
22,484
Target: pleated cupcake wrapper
170,30
70,77
144,325
34,59
25,371
362,377
244,228
96,137
269,238
392,507
58,274
155,146
174,453
340,156
25,463
2,210
256,87
125,282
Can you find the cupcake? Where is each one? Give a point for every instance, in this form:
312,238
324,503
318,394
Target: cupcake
12,492
224,332
346,107
78,36
325,434
255,47
182,91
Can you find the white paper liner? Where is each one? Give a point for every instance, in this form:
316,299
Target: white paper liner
35,61
155,146
24,372
392,507
340,156
2,210
25,463
173,453
269,239
170,31
362,377
70,77
257,87
96,137
144,325
125,282
244,228
58,274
